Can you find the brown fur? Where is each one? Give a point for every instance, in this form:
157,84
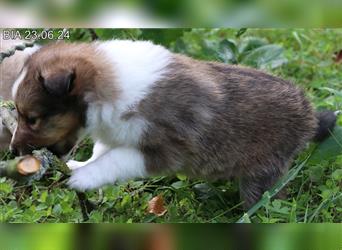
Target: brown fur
59,118
9,71
221,121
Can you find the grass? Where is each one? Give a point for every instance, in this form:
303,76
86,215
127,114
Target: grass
314,192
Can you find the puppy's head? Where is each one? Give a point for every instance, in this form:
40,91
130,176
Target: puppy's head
49,99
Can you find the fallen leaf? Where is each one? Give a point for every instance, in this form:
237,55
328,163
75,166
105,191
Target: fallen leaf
156,206
338,56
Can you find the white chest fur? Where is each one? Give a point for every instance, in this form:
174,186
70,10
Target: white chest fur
104,123
137,66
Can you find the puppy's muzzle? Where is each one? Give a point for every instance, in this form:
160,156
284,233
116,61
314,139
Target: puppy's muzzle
19,150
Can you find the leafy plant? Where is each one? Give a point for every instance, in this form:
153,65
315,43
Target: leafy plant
251,51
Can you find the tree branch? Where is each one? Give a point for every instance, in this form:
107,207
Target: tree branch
32,167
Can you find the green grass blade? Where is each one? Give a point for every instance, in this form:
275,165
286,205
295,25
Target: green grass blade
273,191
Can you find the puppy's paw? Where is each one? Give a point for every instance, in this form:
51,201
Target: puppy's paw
85,178
75,164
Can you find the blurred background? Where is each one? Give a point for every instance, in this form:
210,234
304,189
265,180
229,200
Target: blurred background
171,237
164,13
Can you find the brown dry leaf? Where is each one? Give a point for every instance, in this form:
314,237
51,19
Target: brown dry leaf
338,56
28,165
156,206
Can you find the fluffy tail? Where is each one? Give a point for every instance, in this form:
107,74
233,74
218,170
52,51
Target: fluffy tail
326,123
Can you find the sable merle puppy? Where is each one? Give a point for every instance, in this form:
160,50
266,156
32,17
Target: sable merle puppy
9,71
151,111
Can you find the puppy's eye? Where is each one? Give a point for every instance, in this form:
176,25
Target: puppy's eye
32,121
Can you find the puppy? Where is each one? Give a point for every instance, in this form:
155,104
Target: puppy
9,71
150,111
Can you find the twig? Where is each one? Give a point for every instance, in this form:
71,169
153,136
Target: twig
33,167
43,157
12,50
20,47
28,168
85,204
93,34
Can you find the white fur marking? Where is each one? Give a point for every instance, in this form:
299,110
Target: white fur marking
116,165
18,82
13,137
105,124
98,150
137,66
28,52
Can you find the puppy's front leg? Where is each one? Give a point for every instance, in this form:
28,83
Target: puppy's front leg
117,164
98,150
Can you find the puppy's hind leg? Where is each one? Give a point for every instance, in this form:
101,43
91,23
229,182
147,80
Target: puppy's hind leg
98,150
252,187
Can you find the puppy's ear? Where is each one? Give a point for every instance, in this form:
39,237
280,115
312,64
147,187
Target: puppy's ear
59,85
